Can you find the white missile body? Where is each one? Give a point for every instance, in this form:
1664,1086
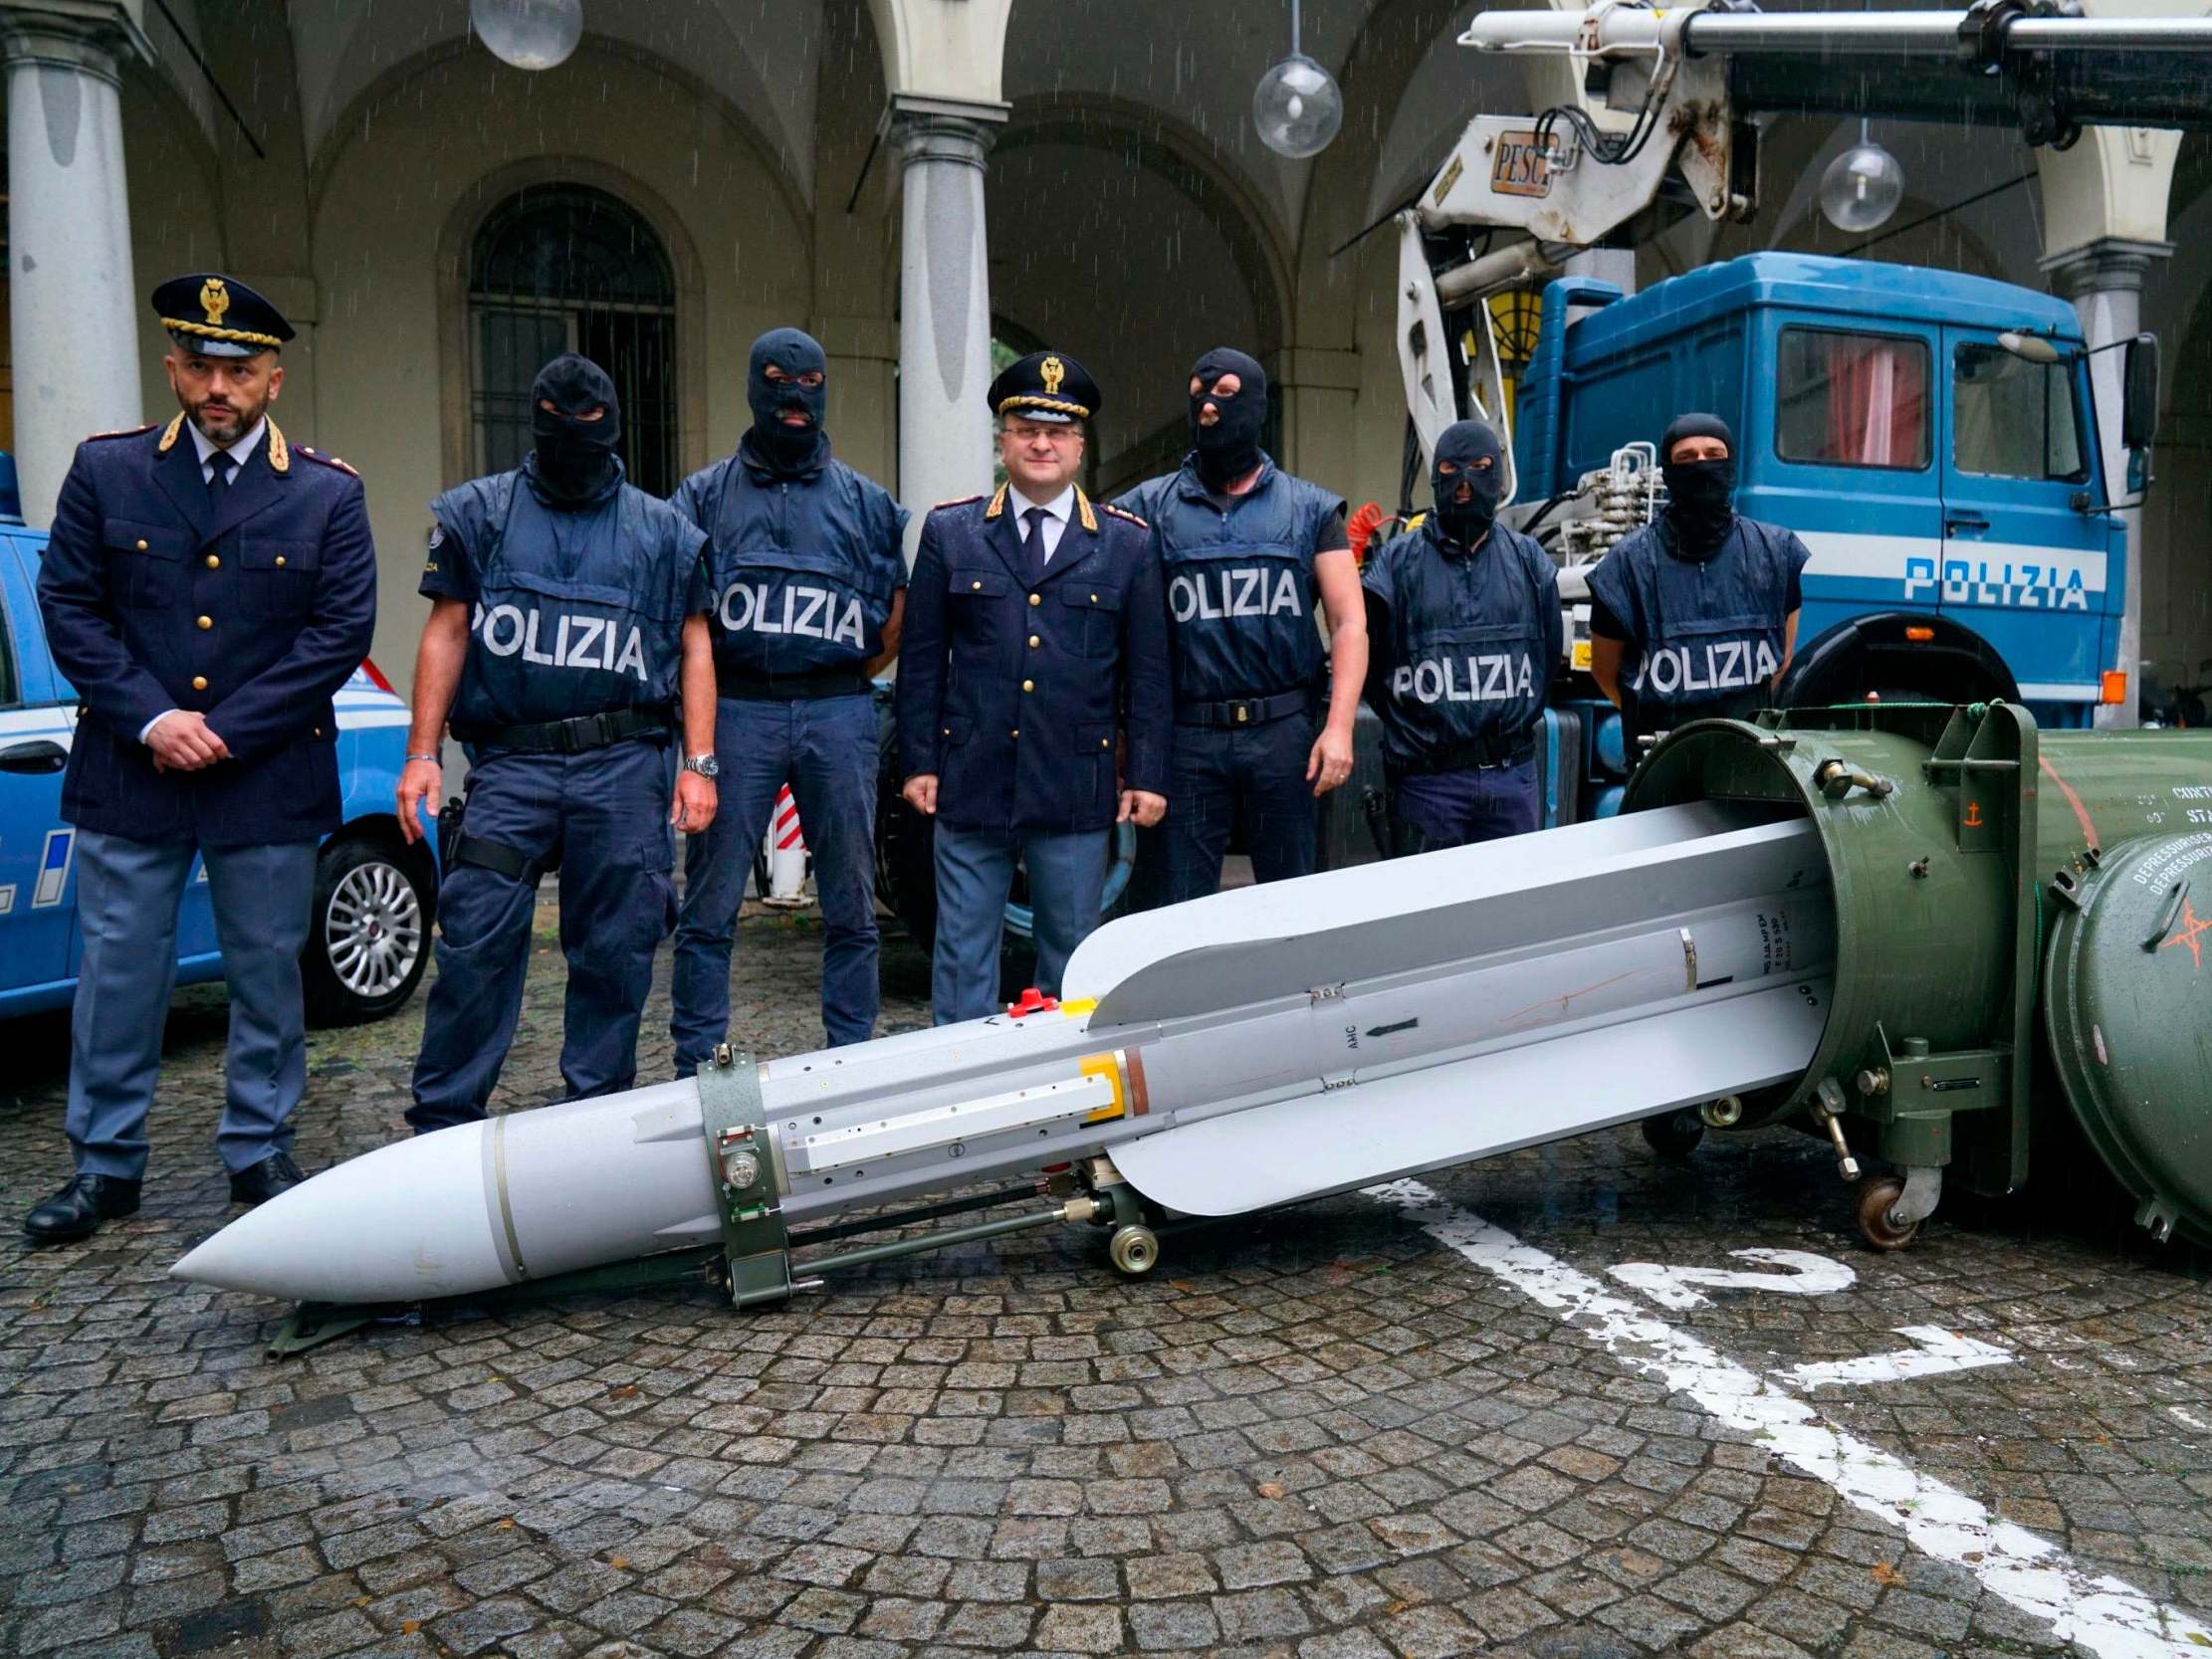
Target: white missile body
1248,1050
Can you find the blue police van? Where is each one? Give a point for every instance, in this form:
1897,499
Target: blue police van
374,896
1930,435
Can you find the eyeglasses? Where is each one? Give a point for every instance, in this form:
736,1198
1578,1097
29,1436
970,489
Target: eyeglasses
1057,434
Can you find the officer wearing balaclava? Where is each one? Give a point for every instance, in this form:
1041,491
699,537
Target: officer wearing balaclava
1694,615
810,586
1268,639
569,609
1465,633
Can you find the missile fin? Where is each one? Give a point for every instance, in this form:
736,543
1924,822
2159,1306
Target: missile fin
1354,1136
1383,919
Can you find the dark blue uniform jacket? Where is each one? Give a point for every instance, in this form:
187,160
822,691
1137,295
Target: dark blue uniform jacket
253,617
1015,693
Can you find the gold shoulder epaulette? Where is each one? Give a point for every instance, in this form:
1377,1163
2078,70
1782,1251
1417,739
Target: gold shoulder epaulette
123,432
1123,512
957,501
327,459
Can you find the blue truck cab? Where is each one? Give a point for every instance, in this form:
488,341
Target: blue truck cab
374,896
1930,435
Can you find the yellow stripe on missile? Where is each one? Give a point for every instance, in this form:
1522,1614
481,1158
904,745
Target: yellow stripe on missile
1079,1008
1109,1067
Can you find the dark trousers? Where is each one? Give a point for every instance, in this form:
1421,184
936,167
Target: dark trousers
974,874
1218,776
127,893
1459,809
825,748
605,815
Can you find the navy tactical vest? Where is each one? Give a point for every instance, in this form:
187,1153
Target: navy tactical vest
804,569
1707,639
577,612
1240,590
1470,651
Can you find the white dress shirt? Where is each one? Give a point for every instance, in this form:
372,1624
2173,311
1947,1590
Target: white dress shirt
240,453
1056,512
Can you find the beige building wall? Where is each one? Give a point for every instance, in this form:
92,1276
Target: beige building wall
396,209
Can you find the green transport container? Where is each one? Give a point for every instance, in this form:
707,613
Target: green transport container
2015,914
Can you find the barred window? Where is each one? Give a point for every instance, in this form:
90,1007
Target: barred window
565,268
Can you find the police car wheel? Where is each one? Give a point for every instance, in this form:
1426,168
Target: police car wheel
369,942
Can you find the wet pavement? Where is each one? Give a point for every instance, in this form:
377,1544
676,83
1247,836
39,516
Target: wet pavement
1517,1409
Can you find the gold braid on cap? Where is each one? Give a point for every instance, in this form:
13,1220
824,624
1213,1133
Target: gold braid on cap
1027,400
238,336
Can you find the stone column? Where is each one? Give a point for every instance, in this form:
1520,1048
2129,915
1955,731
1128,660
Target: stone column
74,302
945,442
2105,281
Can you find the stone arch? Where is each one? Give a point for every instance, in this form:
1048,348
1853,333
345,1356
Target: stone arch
1158,143
457,239
1168,252
356,120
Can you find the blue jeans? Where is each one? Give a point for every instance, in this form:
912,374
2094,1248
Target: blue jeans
127,893
974,873
604,815
1218,775
1459,809
825,750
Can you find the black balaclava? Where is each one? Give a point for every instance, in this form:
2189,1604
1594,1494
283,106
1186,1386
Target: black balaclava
575,459
1463,444
1701,494
776,447
1229,448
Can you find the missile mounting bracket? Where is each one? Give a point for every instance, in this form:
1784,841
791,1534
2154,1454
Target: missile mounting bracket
743,1157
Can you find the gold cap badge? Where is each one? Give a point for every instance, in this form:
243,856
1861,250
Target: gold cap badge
215,300
1053,371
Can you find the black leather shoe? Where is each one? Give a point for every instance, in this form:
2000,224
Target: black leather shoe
79,1208
257,1183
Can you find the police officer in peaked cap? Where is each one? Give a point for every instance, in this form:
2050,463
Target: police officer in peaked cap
569,609
1466,632
1694,615
1033,688
1255,560
207,587
810,578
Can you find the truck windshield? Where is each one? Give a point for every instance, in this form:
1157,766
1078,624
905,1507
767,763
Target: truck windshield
1852,400
2014,419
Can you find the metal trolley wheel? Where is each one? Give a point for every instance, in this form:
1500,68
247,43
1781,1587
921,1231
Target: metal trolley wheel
1878,1195
1133,1250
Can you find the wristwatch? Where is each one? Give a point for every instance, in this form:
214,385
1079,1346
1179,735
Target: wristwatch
706,766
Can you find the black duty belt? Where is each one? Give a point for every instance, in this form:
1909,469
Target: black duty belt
1244,710
821,682
571,736
1487,756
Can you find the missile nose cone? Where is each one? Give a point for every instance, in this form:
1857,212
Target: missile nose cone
407,1221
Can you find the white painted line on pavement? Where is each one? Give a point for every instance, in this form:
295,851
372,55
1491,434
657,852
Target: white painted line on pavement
1934,1351
2104,1614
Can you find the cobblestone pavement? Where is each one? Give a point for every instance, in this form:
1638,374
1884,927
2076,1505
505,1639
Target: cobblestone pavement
1353,1430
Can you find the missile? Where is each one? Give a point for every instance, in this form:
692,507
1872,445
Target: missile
1833,924
1227,1055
